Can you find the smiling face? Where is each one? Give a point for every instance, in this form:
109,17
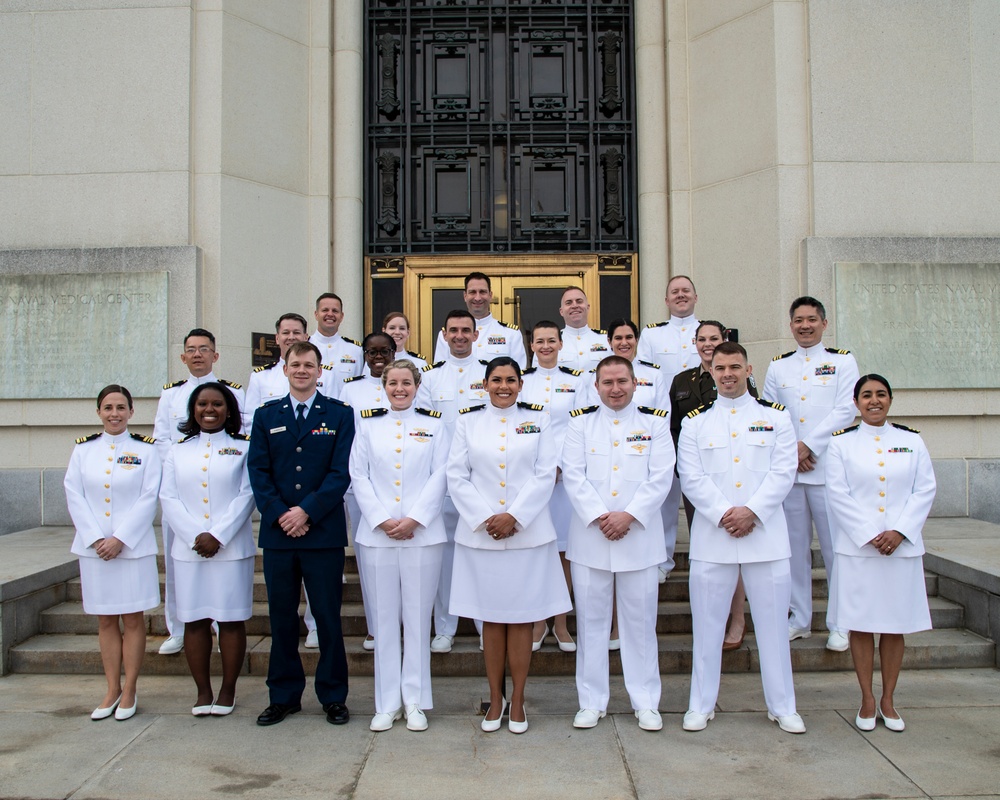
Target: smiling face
199,355
681,298
708,338
731,371
399,331
807,326
115,413
545,344
503,386
459,334
477,298
329,314
379,351
574,308
289,332
210,411
400,388
615,385
873,402
623,342
303,371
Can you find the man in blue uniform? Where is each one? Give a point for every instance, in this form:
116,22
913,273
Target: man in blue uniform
299,452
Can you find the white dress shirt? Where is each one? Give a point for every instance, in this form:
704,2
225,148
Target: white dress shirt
671,345
496,338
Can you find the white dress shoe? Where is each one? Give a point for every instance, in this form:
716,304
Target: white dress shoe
491,725
517,727
202,711
442,643
865,723
837,641
122,713
416,720
312,639
896,725
790,723
369,643
649,719
614,644
222,711
588,718
798,633
566,647
661,575
104,713
693,721
383,722
537,645
171,645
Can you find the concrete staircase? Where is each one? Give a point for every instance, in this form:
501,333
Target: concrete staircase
67,638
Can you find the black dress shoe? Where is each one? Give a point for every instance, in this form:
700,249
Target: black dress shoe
337,713
276,712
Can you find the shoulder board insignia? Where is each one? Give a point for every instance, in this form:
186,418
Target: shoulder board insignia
415,355
484,362
428,413
271,402
657,324
835,350
846,430
334,402
368,413
699,409
508,325
348,339
600,331
263,367
530,406
649,364
470,409
766,404
187,438
656,412
528,371
326,366
231,385
90,438
784,355
576,373
903,427
579,411
243,437
140,438
429,367
175,384
355,378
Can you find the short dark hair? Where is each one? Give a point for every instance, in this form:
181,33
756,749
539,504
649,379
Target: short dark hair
377,335
713,323
612,361
111,388
806,300
501,361
615,324
206,334
329,296
545,323
190,427
731,349
478,276
871,376
462,313
291,315
304,347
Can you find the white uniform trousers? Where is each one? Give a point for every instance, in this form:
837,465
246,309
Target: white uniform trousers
446,624
637,592
669,511
174,626
353,518
804,506
767,584
402,582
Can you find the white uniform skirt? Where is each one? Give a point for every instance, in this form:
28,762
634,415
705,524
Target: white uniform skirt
210,589
509,586
880,595
119,586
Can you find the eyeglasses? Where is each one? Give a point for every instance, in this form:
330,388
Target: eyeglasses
379,351
204,350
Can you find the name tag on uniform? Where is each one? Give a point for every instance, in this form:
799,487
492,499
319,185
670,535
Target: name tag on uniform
282,429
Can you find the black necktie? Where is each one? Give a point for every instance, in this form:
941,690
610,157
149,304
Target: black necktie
300,415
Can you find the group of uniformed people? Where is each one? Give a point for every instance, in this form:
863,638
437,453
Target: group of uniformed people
478,487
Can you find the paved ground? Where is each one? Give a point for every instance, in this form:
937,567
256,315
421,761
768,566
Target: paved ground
49,747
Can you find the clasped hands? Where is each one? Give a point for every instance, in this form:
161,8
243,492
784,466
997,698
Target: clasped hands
738,521
108,548
614,524
887,541
399,529
206,545
807,458
294,522
501,526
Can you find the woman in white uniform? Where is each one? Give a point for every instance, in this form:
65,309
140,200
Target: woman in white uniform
398,474
207,501
501,471
398,327
111,485
880,486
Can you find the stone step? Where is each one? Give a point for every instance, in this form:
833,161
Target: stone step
80,654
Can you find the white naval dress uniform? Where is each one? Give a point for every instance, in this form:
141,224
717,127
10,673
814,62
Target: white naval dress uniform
734,453
268,383
171,411
398,470
879,479
556,390
816,385
617,461
344,357
447,387
651,390
111,486
206,488
503,460
496,338
583,348
404,355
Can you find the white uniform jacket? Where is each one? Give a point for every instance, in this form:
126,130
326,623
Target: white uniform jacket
496,338
671,345
618,461
583,348
878,479
414,358
816,385
652,386
172,410
111,485
503,460
269,383
361,392
451,385
557,390
343,355
398,470
206,488
733,453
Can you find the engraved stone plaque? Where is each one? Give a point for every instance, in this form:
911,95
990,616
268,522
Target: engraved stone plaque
68,335
923,326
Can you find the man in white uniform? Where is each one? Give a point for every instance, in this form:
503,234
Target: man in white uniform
583,346
342,355
448,386
816,385
495,338
737,463
617,463
199,356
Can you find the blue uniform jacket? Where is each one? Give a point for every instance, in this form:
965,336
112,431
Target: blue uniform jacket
307,468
